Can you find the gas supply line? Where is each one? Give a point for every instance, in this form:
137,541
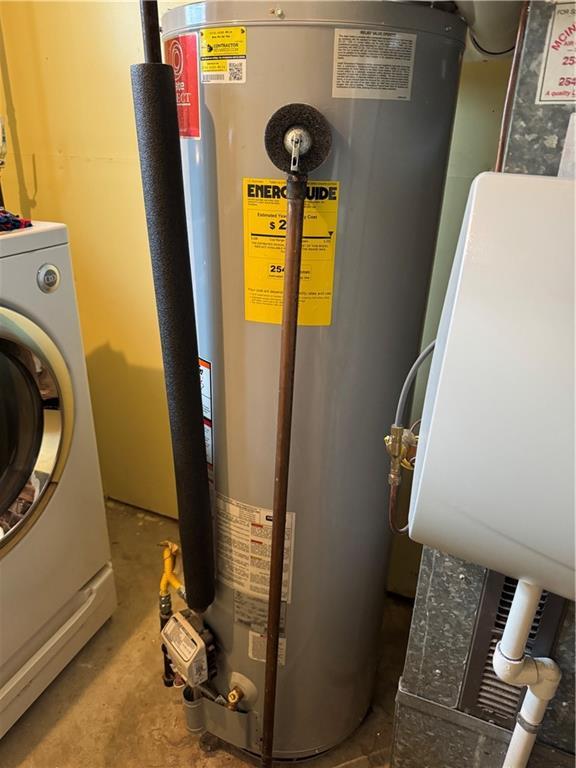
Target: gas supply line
168,579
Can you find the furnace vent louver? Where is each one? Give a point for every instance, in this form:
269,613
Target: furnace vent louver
483,694
494,696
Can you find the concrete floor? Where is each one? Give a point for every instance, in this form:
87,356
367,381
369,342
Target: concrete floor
109,709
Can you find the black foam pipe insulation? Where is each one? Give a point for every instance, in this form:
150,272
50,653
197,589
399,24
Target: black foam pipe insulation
161,167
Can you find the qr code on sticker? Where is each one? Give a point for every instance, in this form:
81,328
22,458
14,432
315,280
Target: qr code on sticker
236,71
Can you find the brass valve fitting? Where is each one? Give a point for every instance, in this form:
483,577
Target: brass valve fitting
400,444
234,697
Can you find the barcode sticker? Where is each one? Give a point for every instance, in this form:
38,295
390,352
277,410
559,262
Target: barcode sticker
223,55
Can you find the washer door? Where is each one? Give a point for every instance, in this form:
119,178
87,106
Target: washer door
36,421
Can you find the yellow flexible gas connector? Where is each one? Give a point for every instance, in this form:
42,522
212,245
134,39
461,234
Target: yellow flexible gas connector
169,579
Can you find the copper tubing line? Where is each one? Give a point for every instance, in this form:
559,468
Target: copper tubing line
296,194
511,89
393,512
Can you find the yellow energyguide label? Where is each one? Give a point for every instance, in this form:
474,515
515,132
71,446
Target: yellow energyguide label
223,55
264,242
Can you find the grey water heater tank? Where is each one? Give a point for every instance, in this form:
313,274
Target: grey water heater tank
385,75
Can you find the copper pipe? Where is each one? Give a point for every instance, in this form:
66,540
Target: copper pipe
393,512
296,194
511,89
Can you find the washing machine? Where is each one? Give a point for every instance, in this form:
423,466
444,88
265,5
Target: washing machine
56,580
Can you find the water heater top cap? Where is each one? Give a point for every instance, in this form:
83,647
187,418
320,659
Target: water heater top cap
306,118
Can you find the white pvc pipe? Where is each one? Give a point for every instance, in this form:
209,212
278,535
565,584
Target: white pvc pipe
512,665
533,708
519,622
493,24
520,748
522,742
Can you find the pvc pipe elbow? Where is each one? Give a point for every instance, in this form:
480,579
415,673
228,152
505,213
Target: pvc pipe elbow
492,24
542,676
549,676
514,671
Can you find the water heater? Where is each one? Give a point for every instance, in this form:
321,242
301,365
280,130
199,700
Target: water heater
385,76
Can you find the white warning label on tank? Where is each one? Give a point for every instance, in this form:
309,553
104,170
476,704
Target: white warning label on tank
257,648
252,612
373,64
244,543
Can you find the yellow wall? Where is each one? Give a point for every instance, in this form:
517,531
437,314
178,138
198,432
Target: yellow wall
474,143
72,157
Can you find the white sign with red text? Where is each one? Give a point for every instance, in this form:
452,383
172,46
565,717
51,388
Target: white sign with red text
558,74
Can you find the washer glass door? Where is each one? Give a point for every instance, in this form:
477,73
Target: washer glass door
30,434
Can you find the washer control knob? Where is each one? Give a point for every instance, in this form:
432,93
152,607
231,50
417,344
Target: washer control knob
48,278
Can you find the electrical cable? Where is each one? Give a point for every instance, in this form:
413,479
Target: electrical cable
407,386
